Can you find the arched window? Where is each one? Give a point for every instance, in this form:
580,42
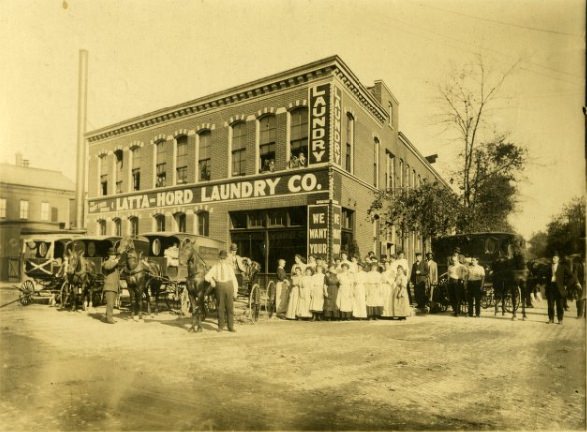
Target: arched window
117,227
298,144
239,149
181,160
134,226
101,227
350,141
159,222
119,155
203,223
376,162
267,139
204,167
161,168
180,220
401,173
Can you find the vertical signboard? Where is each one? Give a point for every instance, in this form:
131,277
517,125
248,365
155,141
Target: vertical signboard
336,126
318,231
319,125
336,233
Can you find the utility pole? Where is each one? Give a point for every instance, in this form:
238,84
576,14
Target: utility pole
81,141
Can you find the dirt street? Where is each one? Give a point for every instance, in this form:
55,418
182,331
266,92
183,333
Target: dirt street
69,371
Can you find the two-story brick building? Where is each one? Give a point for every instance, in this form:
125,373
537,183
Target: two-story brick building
283,165
32,201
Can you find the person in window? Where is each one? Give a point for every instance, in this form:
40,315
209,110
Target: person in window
302,160
172,255
293,161
271,167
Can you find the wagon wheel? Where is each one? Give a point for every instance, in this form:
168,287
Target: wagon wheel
185,306
267,298
254,299
508,301
26,292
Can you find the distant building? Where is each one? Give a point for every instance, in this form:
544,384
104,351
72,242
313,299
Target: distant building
284,165
32,200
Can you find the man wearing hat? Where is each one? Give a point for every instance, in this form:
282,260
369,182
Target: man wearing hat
222,277
111,281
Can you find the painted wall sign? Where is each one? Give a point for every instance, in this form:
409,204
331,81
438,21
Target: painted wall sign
318,231
337,125
319,133
336,235
292,183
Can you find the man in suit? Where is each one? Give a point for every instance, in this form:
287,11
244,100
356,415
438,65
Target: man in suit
557,278
111,281
419,278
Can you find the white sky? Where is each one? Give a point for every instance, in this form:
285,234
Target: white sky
147,54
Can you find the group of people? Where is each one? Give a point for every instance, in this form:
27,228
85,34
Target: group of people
342,290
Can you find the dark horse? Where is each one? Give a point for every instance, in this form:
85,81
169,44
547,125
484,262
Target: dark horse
142,279
198,289
78,283
510,275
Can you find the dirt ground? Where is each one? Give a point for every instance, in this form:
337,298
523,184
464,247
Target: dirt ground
69,371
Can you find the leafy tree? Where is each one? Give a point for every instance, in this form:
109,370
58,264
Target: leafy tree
537,244
566,231
431,209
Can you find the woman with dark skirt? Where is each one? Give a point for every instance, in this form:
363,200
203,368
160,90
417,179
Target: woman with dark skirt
330,309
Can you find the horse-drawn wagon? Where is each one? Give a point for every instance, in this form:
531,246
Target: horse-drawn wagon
44,258
84,278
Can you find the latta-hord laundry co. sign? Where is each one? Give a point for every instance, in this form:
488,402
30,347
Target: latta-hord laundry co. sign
291,183
325,124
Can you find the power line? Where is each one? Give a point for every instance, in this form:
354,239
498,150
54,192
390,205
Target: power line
502,22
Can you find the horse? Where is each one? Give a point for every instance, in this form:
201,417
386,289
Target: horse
196,286
252,269
510,274
77,281
141,279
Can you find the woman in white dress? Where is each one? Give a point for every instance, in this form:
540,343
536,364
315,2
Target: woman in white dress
359,305
303,310
344,299
317,294
401,307
388,289
374,292
298,262
294,293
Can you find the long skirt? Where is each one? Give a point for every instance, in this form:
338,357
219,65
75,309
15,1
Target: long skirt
387,300
330,308
292,305
303,309
282,290
401,305
359,306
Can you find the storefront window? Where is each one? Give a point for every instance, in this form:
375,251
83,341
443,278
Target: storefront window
238,220
278,217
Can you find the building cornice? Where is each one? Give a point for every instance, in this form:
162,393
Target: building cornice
422,159
333,66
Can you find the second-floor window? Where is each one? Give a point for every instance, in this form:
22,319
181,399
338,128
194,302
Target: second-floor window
118,227
2,207
180,220
376,162
267,139
389,171
239,149
45,211
298,144
136,169
204,166
182,160
160,223
102,227
161,166
161,175
134,226
350,140
104,184
118,154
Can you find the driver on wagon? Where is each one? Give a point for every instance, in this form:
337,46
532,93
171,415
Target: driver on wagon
236,260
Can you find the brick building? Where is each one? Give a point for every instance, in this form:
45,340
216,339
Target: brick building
282,165
32,200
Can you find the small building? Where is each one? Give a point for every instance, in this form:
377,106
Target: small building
32,200
284,165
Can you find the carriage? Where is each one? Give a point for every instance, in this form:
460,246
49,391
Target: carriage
167,251
43,258
94,250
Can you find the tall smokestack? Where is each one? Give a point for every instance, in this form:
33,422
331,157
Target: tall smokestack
81,141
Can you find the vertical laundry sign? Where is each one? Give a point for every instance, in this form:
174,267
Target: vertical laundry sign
319,133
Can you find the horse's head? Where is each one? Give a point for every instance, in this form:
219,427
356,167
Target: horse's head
73,262
131,258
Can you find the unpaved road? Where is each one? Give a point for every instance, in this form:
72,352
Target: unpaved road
69,371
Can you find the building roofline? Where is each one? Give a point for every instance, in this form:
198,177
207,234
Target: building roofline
277,81
415,151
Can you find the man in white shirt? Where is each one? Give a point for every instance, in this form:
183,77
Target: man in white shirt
222,277
474,281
